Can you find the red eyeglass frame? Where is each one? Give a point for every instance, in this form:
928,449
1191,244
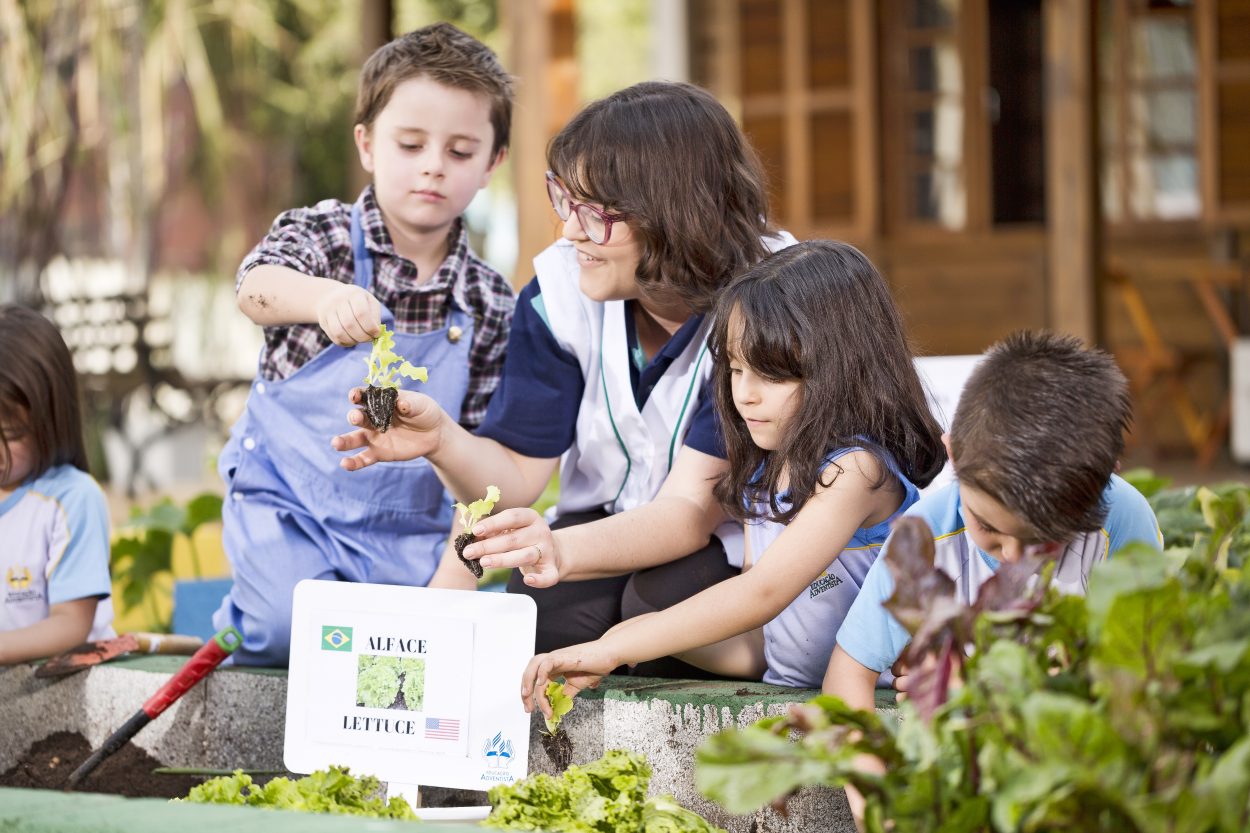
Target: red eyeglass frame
607,218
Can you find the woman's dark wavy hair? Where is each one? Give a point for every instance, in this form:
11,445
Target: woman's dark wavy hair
820,313
670,157
39,391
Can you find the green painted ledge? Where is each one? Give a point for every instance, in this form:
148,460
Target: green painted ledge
164,664
730,694
49,811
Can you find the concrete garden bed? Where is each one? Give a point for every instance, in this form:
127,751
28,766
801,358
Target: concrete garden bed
234,720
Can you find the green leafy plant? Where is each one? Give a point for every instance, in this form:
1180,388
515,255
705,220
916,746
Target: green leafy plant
414,683
606,796
143,550
1126,710
382,381
556,742
469,515
377,683
382,361
334,790
561,704
478,509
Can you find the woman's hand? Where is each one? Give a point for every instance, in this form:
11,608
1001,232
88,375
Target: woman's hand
581,666
517,538
416,431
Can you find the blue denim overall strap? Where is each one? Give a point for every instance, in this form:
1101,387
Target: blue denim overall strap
293,513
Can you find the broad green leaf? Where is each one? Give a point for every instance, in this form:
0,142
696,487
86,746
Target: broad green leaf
1144,632
1227,787
381,358
202,509
478,509
1146,481
1135,567
164,514
561,704
744,770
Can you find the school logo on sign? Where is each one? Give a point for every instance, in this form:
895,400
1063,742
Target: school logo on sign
498,752
336,638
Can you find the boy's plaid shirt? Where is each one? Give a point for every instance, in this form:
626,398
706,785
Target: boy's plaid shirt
317,241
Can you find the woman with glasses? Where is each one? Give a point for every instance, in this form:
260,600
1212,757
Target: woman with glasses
662,201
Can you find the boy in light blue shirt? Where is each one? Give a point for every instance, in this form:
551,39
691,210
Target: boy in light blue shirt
1034,443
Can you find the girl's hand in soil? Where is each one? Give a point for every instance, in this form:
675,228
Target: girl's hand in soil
416,431
349,315
517,538
581,666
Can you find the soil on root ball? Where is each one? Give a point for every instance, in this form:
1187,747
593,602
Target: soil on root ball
128,771
463,540
559,748
380,406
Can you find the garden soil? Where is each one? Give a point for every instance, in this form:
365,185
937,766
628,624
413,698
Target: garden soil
128,771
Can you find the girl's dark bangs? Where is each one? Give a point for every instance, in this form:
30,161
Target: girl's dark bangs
769,340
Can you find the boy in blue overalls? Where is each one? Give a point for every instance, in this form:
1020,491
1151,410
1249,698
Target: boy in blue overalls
433,112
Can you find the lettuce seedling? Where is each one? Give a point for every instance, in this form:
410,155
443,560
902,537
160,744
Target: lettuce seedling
385,368
561,704
556,742
469,515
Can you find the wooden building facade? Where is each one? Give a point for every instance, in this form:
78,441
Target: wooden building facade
1082,165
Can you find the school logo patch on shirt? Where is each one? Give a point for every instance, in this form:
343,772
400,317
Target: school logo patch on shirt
19,579
826,582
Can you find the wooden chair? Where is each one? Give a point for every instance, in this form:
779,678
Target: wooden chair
1159,372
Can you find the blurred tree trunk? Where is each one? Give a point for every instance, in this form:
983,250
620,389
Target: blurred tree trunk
377,19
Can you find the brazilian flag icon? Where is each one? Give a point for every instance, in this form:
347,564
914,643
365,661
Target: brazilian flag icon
336,638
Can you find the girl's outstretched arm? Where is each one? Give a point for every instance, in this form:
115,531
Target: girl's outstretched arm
68,624
466,463
677,522
748,601
581,666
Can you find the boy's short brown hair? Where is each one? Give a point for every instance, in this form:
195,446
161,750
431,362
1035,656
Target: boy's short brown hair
442,53
1040,427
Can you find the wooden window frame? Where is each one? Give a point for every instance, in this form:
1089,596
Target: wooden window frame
972,44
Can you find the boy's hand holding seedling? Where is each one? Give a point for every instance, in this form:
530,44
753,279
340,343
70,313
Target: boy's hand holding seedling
349,314
470,515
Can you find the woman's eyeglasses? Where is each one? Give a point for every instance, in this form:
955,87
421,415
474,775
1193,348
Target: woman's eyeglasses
596,222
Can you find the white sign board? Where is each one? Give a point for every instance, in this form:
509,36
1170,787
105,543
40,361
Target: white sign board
409,684
943,378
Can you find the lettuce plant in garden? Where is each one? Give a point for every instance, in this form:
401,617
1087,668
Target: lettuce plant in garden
1126,710
604,796
334,790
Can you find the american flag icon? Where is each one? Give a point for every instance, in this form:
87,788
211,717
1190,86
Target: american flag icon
442,728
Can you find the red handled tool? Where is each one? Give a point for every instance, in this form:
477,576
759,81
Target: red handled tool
202,661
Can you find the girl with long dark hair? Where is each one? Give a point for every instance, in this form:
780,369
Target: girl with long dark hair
828,438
